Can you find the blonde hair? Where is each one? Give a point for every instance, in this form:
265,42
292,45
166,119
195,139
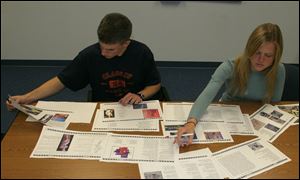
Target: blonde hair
267,32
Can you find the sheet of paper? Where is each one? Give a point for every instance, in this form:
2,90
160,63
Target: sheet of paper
205,132
45,116
136,148
269,122
147,125
158,170
222,113
82,112
192,165
291,109
210,132
170,130
144,110
241,128
199,164
176,113
66,144
250,158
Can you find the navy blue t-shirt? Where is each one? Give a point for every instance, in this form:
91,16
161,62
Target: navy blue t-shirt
111,79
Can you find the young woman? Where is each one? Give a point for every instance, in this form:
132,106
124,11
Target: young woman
256,75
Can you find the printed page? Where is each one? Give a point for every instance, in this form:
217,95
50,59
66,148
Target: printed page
250,158
148,125
199,164
47,117
66,144
144,110
269,122
192,165
176,113
241,128
171,131
135,149
158,170
222,113
209,132
291,109
82,111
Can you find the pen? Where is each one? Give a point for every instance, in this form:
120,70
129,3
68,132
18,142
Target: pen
188,134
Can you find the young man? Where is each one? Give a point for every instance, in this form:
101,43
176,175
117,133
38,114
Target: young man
117,68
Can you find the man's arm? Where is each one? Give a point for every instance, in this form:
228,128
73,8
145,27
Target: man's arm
49,88
132,98
150,90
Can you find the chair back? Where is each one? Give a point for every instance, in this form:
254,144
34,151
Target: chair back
291,85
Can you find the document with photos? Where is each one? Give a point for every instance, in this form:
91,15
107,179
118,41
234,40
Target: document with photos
171,131
176,113
195,165
292,109
136,148
250,158
82,112
199,164
269,122
45,116
67,144
158,170
151,125
222,113
210,132
144,110
241,128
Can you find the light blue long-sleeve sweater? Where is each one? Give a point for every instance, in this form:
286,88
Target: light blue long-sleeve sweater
256,88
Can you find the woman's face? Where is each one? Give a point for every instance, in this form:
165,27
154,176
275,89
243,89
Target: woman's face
263,57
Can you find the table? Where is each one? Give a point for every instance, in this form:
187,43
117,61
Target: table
22,137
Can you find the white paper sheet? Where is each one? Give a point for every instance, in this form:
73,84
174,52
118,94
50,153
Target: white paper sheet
250,158
241,128
269,122
291,109
147,125
156,170
210,132
144,110
48,117
66,144
135,149
222,113
191,165
199,164
82,112
205,132
170,130
176,113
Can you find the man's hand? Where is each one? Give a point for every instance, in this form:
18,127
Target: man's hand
130,98
21,99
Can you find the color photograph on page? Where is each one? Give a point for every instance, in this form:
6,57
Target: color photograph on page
291,109
47,117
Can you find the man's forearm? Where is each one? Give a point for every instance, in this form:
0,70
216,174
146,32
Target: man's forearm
150,90
47,89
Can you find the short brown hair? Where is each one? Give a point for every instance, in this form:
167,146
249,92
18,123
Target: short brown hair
114,28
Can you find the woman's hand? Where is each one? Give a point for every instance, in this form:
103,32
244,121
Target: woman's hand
188,128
